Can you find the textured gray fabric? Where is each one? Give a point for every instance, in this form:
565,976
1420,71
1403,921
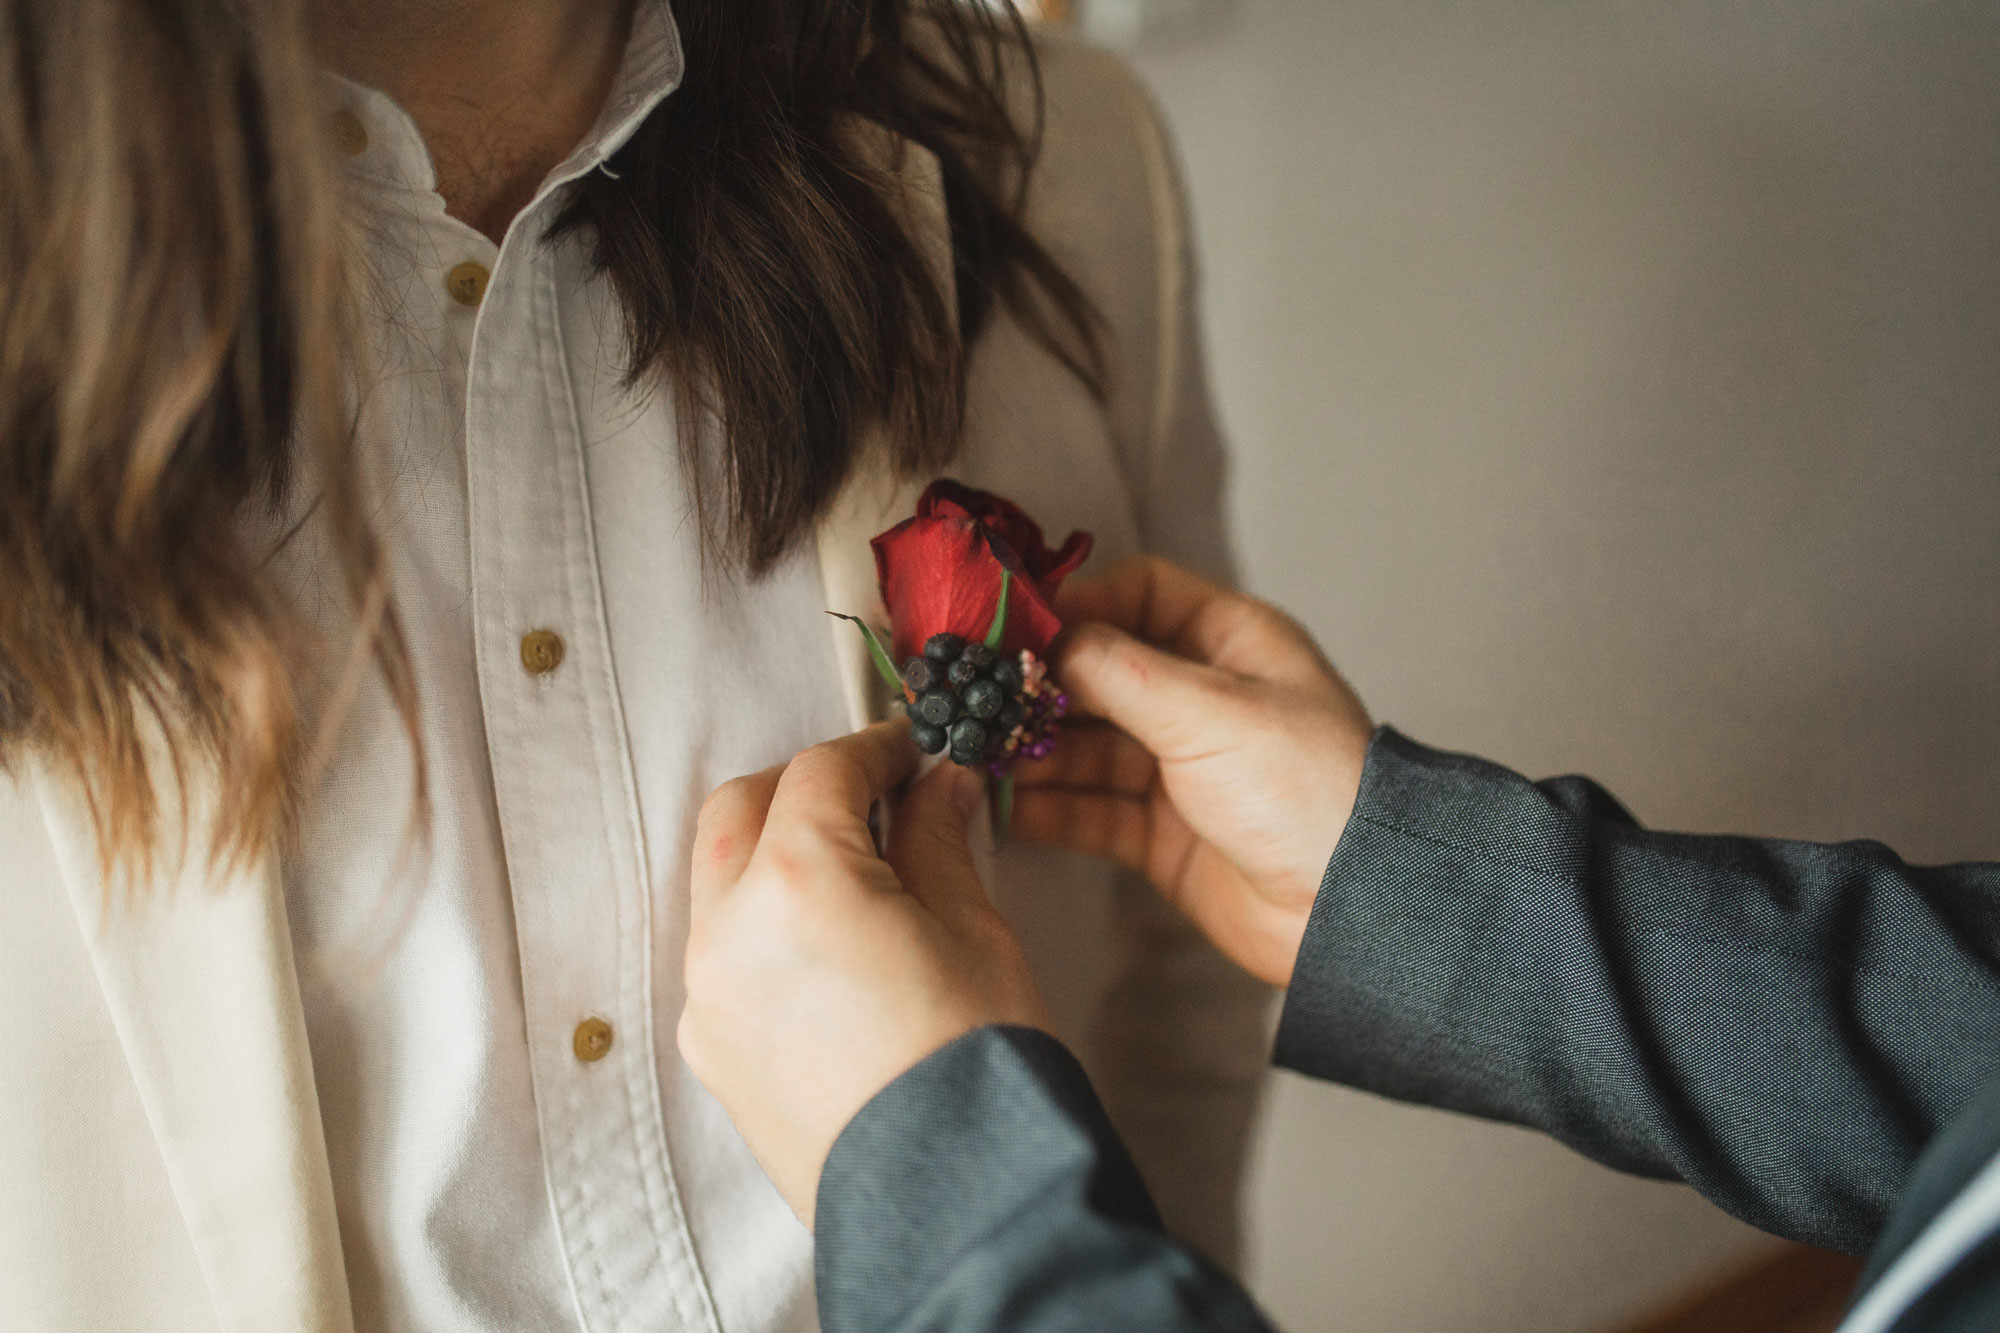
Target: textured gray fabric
985,1189
1784,1026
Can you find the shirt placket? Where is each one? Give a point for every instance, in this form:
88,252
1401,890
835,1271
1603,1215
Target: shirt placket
568,809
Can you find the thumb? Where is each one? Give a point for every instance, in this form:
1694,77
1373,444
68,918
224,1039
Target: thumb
1165,702
930,846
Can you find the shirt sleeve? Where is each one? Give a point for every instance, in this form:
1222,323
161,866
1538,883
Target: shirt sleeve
1782,1025
985,1190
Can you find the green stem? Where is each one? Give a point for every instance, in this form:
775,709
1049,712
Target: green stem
998,631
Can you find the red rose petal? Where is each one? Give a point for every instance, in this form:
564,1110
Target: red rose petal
940,571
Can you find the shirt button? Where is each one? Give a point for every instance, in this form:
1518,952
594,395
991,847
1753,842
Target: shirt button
350,136
467,282
541,651
592,1041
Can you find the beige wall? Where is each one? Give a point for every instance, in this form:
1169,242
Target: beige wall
1616,388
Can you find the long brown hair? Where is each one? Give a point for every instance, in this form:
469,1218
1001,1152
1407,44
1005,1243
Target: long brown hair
175,335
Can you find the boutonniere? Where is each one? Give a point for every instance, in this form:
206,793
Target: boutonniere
970,585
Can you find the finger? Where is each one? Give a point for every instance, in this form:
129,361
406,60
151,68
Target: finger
930,843
829,788
1148,597
1092,756
1094,823
1174,608
1158,601
1174,707
726,832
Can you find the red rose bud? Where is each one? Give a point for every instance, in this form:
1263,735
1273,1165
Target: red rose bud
941,572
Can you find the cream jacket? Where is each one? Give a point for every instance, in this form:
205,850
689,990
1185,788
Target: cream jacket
161,1159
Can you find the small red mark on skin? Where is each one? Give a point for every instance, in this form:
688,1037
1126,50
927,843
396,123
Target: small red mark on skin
719,853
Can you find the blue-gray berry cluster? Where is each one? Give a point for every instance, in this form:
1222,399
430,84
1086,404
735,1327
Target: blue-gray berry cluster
965,699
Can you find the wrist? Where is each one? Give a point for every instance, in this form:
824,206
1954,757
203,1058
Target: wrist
1281,931
1292,903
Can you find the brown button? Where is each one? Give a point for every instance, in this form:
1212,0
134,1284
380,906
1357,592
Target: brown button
467,282
541,651
350,136
592,1041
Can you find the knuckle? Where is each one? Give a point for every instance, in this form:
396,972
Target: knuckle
824,765
688,1036
1117,652
1271,623
1089,641
725,800
1269,618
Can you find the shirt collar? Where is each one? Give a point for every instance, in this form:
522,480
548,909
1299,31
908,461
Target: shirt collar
389,150
651,69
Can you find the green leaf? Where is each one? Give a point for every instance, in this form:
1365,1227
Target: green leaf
1003,809
885,666
999,629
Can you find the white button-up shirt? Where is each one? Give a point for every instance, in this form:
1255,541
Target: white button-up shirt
515,1142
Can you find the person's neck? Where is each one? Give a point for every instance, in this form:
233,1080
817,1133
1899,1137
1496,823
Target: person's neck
502,90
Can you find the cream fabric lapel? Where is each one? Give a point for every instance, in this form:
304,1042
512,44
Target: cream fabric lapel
875,498
196,969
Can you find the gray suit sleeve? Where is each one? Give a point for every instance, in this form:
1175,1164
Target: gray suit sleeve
1782,1025
985,1190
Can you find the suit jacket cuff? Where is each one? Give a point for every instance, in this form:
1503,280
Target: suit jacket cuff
922,1189
1386,993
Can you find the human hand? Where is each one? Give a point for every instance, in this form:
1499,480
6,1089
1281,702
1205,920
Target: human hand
817,971
1230,765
